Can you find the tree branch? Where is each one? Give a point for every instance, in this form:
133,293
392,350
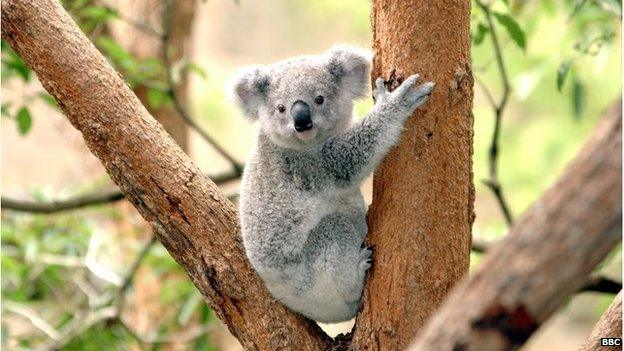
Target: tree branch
595,283
545,258
609,326
79,202
193,220
499,108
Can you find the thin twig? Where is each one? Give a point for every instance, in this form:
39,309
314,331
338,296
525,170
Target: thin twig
486,91
492,182
142,26
181,337
78,202
62,205
34,318
185,336
78,325
177,104
480,246
60,260
601,284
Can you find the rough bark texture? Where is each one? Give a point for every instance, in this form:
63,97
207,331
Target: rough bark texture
422,212
195,222
144,45
609,326
546,257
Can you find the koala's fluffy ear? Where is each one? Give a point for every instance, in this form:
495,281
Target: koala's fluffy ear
249,89
350,66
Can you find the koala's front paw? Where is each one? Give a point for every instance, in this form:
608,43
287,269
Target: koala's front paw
407,95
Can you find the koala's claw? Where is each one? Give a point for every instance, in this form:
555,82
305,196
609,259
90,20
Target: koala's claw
380,88
364,266
366,259
425,89
407,84
415,97
407,93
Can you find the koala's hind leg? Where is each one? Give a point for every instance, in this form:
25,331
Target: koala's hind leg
340,263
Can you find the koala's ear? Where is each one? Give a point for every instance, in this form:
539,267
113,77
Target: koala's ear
249,89
350,66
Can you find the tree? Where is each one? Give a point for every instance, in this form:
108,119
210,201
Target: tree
421,217
609,326
198,226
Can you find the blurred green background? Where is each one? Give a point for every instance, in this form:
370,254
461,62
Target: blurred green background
63,274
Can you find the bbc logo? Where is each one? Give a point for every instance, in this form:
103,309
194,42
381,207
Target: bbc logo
610,341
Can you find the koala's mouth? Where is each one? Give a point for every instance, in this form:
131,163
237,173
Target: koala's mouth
307,135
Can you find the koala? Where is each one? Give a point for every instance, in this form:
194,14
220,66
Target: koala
303,217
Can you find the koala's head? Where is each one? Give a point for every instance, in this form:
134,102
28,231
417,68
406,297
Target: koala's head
302,101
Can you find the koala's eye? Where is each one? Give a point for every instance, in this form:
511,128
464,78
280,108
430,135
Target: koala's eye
319,100
281,108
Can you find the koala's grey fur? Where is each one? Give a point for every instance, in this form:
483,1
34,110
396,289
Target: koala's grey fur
301,209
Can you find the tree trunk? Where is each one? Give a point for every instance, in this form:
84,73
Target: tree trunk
145,45
546,257
609,326
422,212
192,219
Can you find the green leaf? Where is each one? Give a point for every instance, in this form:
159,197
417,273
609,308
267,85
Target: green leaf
24,120
157,98
513,28
195,68
562,73
122,58
578,99
97,13
478,37
14,64
578,6
48,99
149,68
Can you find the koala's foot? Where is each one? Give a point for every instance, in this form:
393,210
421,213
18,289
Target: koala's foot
407,95
366,260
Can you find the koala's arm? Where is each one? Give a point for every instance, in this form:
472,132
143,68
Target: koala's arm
353,155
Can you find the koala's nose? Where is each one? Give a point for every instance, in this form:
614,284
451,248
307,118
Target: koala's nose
300,112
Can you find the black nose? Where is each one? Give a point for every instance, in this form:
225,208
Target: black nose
300,112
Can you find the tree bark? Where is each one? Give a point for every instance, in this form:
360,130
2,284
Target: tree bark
547,255
144,45
192,219
609,326
421,217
